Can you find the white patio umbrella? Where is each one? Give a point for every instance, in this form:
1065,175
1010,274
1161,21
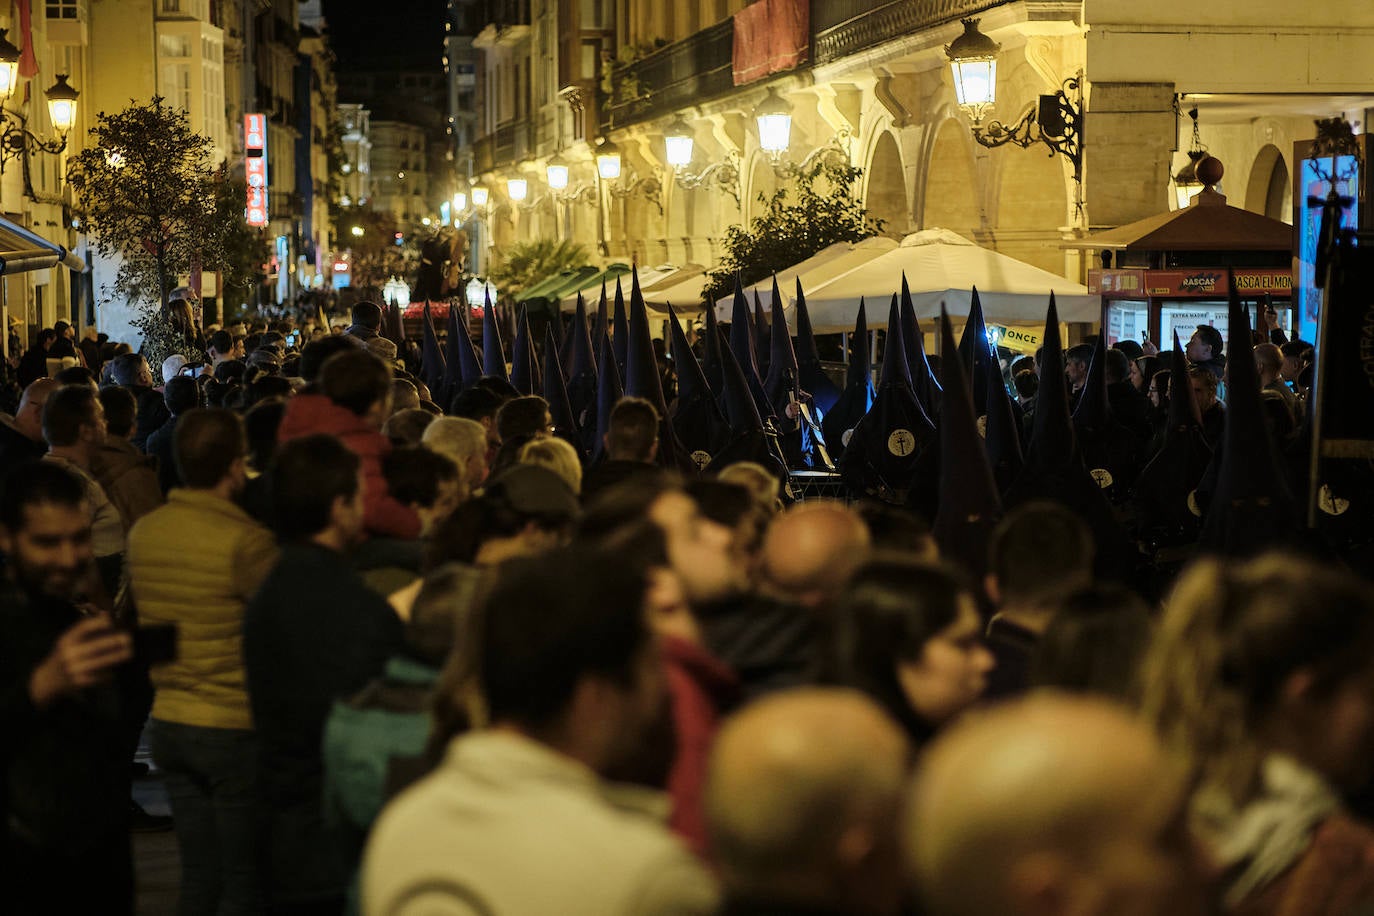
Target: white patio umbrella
942,266
684,295
824,265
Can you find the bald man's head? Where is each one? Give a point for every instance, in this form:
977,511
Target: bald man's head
1052,805
28,418
801,800
810,551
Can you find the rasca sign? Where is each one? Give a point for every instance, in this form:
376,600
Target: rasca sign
255,167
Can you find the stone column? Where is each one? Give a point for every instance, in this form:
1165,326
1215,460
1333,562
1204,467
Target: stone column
1128,138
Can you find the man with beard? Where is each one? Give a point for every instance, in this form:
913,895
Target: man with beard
66,765
312,634
522,816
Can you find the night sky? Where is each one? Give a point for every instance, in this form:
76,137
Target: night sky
376,34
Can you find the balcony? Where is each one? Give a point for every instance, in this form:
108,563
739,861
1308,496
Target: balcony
845,27
511,143
684,73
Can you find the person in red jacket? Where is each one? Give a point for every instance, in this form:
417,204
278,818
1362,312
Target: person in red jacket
352,403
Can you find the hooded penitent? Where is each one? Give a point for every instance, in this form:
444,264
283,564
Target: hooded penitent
1054,470
1110,451
743,347
1165,492
556,393
462,365
858,389
493,354
582,379
697,419
642,379
608,393
602,326
781,383
620,330
393,326
747,439
922,379
895,436
810,373
711,363
969,501
524,370
1003,432
431,357
762,353
1252,509
976,354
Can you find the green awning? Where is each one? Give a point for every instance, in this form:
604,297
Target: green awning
548,288
568,297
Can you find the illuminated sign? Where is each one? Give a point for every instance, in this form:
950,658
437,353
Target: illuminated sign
255,167
1199,283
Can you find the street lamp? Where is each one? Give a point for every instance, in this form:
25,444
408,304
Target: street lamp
480,195
357,232
9,67
62,106
1186,181
1057,121
517,189
678,142
557,173
460,202
973,60
774,118
607,159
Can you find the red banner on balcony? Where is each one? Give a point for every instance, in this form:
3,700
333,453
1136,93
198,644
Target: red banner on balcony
771,36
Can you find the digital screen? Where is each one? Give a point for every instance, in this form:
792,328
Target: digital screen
1314,187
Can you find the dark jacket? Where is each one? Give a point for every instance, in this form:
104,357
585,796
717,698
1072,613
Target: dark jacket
159,446
33,365
313,634
770,645
1012,645
1130,408
66,782
611,472
16,448
129,479
152,413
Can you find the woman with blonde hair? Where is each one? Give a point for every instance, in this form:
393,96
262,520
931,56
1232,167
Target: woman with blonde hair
1262,676
556,455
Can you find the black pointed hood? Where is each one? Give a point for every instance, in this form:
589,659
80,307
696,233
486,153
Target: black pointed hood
1054,470
747,440
894,369
642,378
894,436
711,362
556,393
1093,410
493,354
783,376
697,419
1003,434
858,393
462,360
976,353
761,332
1052,442
1183,412
608,394
814,380
620,330
922,378
1167,510
524,373
602,326
431,357
1252,509
970,504
744,349
393,326
582,383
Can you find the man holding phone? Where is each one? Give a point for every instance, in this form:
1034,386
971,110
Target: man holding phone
66,764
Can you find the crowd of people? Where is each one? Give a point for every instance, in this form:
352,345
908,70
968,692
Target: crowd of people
405,648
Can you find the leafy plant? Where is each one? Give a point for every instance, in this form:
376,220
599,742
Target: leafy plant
527,263
819,209
147,191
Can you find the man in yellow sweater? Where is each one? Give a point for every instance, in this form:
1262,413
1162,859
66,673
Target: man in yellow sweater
194,563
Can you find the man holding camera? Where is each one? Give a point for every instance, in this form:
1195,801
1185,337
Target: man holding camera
66,758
